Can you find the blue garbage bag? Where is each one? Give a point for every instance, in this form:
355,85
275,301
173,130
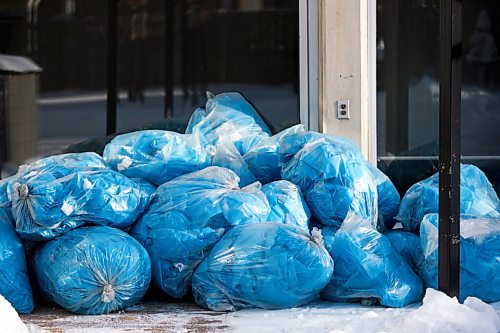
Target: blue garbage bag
227,156
145,186
287,204
187,216
479,255
14,282
49,198
93,270
229,116
264,158
407,245
368,269
5,204
157,156
477,197
334,179
291,144
388,199
263,265
72,161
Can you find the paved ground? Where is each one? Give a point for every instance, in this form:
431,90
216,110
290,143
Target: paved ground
145,317
439,315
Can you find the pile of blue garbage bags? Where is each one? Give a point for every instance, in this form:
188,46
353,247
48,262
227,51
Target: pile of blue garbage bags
237,217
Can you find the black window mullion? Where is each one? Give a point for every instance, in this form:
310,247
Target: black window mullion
449,145
112,64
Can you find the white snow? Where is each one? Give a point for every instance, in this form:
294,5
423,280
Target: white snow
9,319
439,314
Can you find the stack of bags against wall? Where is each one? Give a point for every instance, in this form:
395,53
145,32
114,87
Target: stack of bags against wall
88,270
352,203
479,234
190,214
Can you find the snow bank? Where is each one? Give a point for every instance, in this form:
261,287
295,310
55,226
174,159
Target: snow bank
9,319
440,313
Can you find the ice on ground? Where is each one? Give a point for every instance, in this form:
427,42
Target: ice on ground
9,319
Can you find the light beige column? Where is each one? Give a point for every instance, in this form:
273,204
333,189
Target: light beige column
346,70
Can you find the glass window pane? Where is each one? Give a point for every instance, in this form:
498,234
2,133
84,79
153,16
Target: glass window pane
245,46
481,87
217,45
408,88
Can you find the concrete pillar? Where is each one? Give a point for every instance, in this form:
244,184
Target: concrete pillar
347,70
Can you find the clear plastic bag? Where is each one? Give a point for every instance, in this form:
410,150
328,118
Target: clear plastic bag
477,197
196,117
57,194
264,158
72,161
263,265
287,204
388,199
229,116
145,186
407,245
368,269
187,216
5,204
227,156
291,144
93,270
14,282
157,156
334,179
479,251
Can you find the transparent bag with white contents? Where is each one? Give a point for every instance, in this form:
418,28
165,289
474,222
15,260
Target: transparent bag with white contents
229,116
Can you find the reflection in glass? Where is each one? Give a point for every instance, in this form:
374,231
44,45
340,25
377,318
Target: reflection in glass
181,48
408,88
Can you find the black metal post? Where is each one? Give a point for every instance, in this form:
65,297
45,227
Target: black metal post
112,67
3,126
184,48
449,145
169,58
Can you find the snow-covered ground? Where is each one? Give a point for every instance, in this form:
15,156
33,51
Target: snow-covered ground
438,313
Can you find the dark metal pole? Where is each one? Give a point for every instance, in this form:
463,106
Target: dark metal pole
449,146
3,126
112,67
169,58
184,49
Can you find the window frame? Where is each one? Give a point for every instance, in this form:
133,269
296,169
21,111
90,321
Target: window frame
308,64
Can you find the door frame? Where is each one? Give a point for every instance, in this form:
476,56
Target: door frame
308,64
